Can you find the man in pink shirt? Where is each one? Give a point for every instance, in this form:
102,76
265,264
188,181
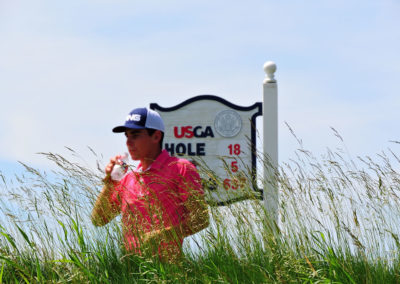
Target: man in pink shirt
162,201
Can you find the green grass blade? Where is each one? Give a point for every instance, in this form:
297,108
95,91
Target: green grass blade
25,236
1,272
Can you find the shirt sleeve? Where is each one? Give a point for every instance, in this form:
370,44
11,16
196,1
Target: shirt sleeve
191,182
196,216
115,196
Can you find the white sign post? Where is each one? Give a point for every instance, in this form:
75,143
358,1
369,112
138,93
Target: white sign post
221,137
270,113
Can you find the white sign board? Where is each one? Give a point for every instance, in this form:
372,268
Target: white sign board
220,138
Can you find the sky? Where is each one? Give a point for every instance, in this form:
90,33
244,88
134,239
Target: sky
72,70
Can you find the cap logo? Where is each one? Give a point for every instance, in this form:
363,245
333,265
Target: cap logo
133,117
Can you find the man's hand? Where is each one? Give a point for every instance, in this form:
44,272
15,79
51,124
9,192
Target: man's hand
151,241
113,161
163,235
153,237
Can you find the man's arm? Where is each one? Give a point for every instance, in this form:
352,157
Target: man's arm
196,219
103,210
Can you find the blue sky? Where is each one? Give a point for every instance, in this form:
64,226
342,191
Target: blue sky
72,70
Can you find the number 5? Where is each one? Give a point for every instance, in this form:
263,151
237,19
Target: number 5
234,166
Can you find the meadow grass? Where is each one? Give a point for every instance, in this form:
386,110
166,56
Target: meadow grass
339,223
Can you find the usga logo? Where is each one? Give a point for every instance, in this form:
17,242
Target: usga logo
190,132
133,117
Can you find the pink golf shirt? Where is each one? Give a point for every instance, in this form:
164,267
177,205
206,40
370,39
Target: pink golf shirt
154,199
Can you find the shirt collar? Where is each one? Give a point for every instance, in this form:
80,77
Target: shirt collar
158,162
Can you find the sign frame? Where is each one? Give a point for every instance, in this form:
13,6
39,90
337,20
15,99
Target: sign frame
258,106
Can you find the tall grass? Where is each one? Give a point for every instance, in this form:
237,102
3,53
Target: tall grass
339,222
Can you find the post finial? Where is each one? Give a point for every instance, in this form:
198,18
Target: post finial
269,69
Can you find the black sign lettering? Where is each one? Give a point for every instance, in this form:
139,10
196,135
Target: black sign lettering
180,149
200,151
208,132
186,149
170,149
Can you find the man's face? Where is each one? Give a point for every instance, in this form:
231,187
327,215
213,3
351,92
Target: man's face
140,144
